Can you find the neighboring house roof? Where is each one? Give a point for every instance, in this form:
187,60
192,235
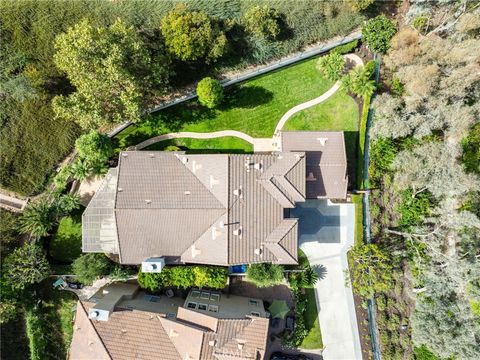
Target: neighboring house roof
212,209
131,334
326,161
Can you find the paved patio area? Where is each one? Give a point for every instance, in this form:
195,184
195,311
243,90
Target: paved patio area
326,234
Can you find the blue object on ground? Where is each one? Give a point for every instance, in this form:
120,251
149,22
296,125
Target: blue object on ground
238,269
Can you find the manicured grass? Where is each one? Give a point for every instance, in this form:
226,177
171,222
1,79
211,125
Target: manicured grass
224,144
357,200
314,338
66,244
253,107
363,130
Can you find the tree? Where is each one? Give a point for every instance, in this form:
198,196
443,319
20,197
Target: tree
433,166
38,218
89,267
262,22
371,270
192,35
359,5
265,274
359,81
67,203
25,266
210,92
95,149
331,66
112,71
378,32
81,169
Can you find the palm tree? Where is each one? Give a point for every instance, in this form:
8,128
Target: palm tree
38,219
358,81
80,170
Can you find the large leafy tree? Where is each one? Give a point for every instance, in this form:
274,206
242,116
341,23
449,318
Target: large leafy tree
25,266
210,92
111,69
377,32
262,22
192,35
95,149
331,66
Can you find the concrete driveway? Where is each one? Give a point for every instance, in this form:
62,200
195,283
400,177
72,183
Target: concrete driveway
326,232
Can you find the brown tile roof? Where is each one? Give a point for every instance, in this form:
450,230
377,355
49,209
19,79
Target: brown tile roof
326,166
145,335
210,209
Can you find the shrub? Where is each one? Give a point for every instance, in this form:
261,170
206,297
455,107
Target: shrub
95,149
26,265
304,279
413,209
262,22
360,5
378,32
184,277
397,87
38,338
423,353
265,274
210,92
192,35
331,66
346,48
89,267
38,218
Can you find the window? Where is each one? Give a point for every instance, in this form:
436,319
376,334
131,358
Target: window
195,294
215,297
213,308
191,305
255,313
202,306
252,302
205,295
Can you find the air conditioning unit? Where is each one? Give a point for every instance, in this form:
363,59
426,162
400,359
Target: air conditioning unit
98,314
153,265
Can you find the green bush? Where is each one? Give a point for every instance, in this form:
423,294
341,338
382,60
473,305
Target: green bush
184,277
89,267
210,92
265,274
262,22
397,87
303,279
423,353
471,150
300,331
331,66
346,48
413,209
377,33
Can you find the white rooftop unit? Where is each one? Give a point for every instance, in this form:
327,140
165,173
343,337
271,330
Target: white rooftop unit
153,265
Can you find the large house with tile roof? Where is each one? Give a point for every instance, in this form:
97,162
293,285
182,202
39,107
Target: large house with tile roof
218,209
121,322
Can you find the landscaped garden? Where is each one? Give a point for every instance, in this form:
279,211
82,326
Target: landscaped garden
255,107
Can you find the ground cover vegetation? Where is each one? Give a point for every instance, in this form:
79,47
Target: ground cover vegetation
62,61
424,184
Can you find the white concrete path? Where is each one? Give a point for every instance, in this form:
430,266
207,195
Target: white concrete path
338,321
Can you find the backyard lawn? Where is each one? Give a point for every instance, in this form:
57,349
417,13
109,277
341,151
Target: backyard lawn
66,244
253,107
219,145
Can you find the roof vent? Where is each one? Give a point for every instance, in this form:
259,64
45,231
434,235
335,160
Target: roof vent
213,181
184,160
240,345
119,189
221,224
237,192
148,201
215,232
187,192
322,141
196,166
124,154
258,251
195,252
237,232
257,166
152,267
311,177
173,333
94,314
151,155
212,342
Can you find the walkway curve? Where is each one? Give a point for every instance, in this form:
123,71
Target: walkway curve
259,144
195,135
352,57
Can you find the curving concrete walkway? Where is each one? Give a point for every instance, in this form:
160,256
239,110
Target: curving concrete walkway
259,144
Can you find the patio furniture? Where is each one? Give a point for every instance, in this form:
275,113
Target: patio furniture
60,284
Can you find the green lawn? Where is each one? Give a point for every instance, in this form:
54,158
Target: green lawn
253,107
66,244
314,338
226,144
